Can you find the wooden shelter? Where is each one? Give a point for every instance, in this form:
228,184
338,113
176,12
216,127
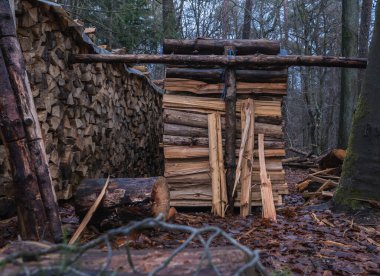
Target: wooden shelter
194,91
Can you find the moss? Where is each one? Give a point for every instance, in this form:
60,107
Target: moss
352,199
351,157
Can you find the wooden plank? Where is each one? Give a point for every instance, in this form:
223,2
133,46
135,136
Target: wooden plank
246,172
269,211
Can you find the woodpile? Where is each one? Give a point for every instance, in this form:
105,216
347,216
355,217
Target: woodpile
96,119
125,199
323,181
195,92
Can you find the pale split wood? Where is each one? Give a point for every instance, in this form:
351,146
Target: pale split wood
222,171
89,214
269,210
246,172
242,146
214,165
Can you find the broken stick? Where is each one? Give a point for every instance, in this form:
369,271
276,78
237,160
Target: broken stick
269,210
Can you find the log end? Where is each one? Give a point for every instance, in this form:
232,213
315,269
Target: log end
160,197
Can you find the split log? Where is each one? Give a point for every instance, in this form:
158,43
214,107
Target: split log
184,152
216,75
272,131
202,46
332,159
203,142
269,211
206,105
203,88
260,60
246,172
175,167
200,120
126,199
218,177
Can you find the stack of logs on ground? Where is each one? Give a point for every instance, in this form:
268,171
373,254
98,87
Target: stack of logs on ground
193,92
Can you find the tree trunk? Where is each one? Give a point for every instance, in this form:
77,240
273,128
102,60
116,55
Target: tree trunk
361,170
365,22
31,173
247,19
349,89
126,199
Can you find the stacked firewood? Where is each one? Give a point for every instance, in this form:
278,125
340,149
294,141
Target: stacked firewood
96,119
321,182
192,94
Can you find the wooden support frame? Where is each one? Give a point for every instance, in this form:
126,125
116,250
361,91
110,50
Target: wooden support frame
230,144
223,61
36,201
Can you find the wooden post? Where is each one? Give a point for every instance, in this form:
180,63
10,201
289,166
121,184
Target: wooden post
269,210
230,101
246,171
35,154
218,178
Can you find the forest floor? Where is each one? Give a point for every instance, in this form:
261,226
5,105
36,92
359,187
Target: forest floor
307,239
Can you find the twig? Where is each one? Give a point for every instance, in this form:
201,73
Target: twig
89,214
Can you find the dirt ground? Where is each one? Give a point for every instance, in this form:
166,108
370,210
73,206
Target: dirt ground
306,240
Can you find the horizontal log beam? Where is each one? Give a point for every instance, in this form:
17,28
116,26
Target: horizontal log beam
211,75
202,46
256,60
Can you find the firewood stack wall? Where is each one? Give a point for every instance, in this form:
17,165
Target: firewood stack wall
193,92
96,119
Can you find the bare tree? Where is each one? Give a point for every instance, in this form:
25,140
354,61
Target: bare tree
349,80
247,19
359,181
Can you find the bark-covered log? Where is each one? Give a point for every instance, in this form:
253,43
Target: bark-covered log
126,199
217,75
230,128
203,141
261,60
202,46
272,131
15,66
30,209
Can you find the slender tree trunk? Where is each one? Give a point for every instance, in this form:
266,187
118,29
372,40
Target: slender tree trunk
286,24
169,19
349,89
225,19
247,19
365,21
361,168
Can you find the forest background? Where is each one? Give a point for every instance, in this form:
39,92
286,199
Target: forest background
316,121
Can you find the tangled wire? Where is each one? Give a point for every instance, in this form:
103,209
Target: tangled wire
73,253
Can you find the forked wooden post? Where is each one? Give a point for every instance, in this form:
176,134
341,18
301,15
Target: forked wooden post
24,139
230,101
